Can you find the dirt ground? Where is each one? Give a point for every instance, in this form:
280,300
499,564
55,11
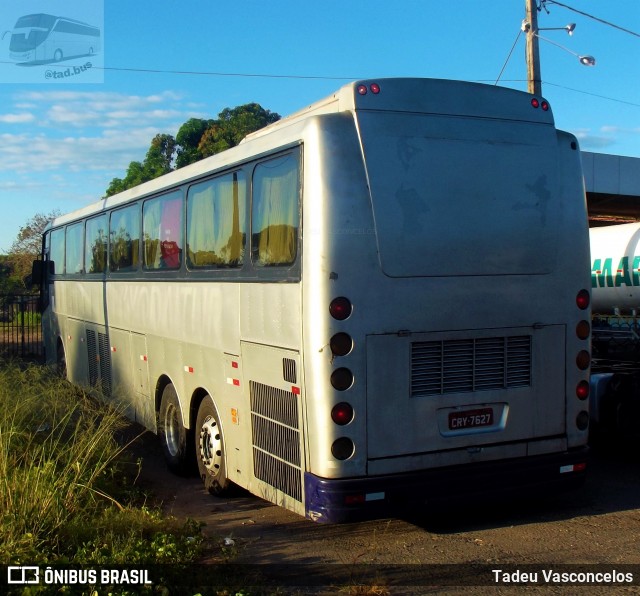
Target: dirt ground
596,527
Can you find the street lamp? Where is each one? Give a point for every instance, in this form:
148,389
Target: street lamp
530,27
584,60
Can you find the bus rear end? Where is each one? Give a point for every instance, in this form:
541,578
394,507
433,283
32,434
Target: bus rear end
445,284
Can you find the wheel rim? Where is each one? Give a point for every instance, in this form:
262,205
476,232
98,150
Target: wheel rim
172,430
210,445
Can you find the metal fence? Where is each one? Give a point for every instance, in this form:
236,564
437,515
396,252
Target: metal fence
20,326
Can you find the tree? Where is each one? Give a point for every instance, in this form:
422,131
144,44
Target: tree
188,139
196,139
27,246
233,125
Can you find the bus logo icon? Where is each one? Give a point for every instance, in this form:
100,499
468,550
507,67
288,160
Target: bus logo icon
23,574
47,39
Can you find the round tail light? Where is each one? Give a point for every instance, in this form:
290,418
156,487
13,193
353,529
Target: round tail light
342,448
340,308
583,360
583,299
342,413
582,420
583,329
582,390
341,344
341,379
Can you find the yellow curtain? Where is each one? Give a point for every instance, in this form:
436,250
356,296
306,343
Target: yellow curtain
276,211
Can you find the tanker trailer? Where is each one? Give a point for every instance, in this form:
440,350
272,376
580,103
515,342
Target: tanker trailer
615,299
615,269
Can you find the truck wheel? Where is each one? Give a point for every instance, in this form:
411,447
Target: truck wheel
210,453
176,447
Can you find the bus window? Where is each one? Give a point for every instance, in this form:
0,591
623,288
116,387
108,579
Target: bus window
96,244
125,239
57,250
162,232
216,222
74,247
275,214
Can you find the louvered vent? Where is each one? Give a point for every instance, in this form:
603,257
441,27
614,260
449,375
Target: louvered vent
92,355
289,370
480,364
99,357
276,438
105,363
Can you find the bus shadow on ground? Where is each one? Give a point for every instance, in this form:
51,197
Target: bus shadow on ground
612,485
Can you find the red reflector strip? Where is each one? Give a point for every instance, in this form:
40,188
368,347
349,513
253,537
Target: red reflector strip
295,390
113,348
235,382
234,365
581,467
143,358
188,369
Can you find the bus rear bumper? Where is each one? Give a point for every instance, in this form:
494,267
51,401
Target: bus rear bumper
352,499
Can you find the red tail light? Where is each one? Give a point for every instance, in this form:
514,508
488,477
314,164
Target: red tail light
583,299
340,308
342,413
582,390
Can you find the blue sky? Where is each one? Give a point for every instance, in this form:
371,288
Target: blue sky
63,140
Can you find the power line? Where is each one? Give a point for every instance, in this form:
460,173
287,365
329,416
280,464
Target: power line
629,103
509,56
226,74
319,77
585,14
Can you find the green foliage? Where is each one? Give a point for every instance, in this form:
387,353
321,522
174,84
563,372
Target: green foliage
64,490
10,283
15,271
188,139
196,139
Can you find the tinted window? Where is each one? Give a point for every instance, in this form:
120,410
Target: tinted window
57,250
216,222
124,235
96,244
162,232
74,246
275,212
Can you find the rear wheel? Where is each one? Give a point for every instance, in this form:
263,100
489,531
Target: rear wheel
61,360
176,448
210,452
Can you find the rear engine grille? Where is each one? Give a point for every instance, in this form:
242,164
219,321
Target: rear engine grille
465,365
276,438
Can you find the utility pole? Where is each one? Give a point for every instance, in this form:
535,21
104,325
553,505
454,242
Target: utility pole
534,79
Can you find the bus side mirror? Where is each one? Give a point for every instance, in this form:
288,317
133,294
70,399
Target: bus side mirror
40,270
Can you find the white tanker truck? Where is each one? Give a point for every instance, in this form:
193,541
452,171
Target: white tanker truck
615,269
615,300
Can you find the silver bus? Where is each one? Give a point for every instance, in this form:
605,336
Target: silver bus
383,298
45,38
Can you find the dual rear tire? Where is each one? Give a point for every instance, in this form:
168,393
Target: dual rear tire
203,446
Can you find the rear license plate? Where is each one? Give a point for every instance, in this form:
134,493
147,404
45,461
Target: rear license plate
470,418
